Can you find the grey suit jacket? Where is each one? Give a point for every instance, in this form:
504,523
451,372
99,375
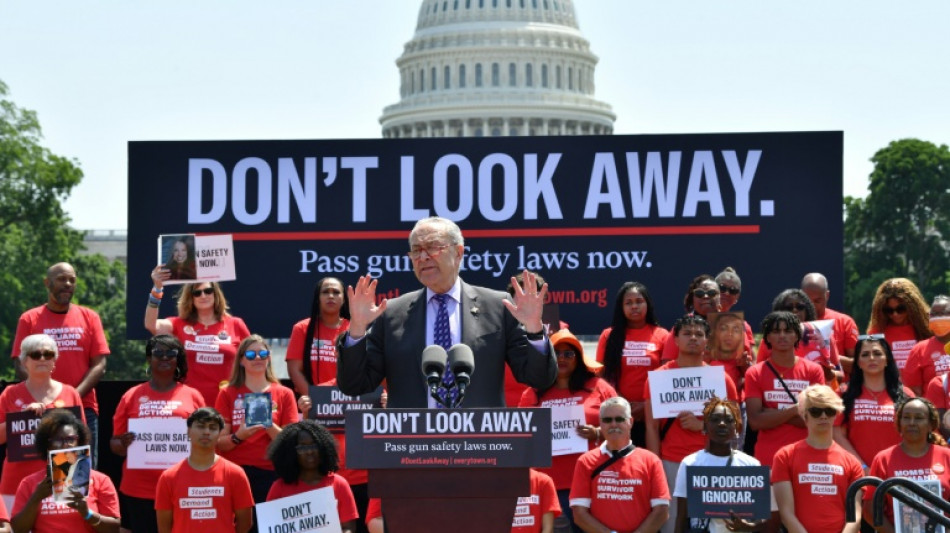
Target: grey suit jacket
392,350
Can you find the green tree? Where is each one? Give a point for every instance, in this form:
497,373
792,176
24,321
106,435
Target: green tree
902,227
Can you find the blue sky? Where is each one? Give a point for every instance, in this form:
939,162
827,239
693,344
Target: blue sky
101,74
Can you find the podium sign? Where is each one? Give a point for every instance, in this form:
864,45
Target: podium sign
441,438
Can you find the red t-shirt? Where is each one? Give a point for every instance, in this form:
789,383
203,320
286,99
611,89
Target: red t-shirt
79,337
374,509
820,481
562,466
141,401
322,348
679,441
345,504
210,351
902,339
936,393
870,426
530,509
672,351
253,451
4,514
56,517
624,493
12,400
894,462
203,500
761,383
844,330
641,353
927,359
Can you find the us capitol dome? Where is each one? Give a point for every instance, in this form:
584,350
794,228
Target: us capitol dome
479,68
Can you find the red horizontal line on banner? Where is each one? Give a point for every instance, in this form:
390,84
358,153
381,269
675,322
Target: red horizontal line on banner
504,233
449,436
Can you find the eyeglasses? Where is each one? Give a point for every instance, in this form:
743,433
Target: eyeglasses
873,337
899,309
165,354
730,290
432,250
304,448
567,354
816,412
45,354
70,440
609,419
710,293
250,355
794,307
208,291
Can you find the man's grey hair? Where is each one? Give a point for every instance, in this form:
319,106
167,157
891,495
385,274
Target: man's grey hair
446,226
616,400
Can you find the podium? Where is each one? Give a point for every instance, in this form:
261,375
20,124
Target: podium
458,470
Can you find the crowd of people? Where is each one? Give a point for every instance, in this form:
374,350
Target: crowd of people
814,395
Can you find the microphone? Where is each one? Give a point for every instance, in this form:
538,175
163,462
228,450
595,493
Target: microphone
433,365
462,363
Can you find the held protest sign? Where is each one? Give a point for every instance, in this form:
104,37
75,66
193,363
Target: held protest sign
308,511
159,443
21,426
565,419
192,258
685,389
718,491
330,405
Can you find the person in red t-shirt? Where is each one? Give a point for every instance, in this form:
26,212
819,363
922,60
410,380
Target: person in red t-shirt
38,356
204,492
37,511
929,358
844,330
163,396
304,458
243,444
535,513
78,332
672,439
210,334
811,477
628,494
329,316
576,384
770,407
900,312
374,516
921,455
702,297
631,347
867,424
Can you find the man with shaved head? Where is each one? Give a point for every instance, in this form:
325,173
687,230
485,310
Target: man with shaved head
79,337
844,331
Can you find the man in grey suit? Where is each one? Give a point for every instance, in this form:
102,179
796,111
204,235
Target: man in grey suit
386,341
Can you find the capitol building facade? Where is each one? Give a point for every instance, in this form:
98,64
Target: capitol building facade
477,68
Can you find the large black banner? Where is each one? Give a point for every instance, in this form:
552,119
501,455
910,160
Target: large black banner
588,213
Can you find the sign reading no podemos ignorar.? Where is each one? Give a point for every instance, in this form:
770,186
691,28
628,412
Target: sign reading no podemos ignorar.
685,389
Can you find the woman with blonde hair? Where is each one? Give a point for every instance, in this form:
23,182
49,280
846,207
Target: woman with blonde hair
815,473
243,444
900,312
210,334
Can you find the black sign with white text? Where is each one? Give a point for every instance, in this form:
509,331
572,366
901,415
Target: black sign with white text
723,491
587,212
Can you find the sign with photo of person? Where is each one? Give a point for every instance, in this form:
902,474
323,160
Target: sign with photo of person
194,258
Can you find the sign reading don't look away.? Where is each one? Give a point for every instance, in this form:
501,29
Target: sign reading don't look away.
685,389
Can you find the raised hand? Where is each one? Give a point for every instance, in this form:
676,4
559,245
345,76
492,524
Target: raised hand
529,302
363,307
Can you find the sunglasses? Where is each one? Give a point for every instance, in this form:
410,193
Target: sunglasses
795,307
567,354
710,293
874,337
899,309
250,355
45,354
165,354
730,290
208,291
609,419
816,412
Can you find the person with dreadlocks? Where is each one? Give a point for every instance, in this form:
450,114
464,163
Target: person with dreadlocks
922,454
722,422
305,459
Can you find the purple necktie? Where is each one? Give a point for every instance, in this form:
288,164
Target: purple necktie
443,337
